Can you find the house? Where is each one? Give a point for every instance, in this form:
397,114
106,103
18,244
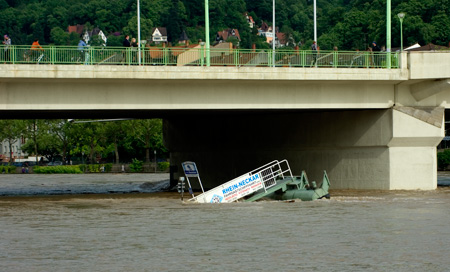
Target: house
281,39
250,20
96,31
428,47
184,39
159,35
15,151
87,35
223,35
264,29
76,28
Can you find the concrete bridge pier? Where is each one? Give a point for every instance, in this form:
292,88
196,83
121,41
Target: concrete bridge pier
386,149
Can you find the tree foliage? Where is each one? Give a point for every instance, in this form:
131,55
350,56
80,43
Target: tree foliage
347,24
90,142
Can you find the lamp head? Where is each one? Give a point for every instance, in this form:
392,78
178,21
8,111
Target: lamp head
401,15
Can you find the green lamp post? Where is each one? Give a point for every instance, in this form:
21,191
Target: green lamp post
388,34
208,63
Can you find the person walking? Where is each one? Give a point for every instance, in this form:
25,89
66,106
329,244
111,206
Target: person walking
376,54
314,52
36,50
81,50
126,43
134,48
7,43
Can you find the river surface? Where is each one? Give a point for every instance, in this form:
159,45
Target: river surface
93,225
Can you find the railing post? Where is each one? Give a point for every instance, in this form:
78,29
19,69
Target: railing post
335,59
201,55
388,60
303,58
52,55
166,57
12,54
269,58
236,57
128,55
89,61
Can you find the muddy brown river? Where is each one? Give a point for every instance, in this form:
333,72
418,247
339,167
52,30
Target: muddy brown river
102,227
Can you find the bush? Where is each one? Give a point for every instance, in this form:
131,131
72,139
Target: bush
136,166
62,169
108,167
7,169
443,159
162,166
82,167
93,168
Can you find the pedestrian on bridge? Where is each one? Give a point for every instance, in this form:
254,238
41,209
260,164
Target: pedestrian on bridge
36,50
134,48
126,43
314,52
7,43
376,54
81,50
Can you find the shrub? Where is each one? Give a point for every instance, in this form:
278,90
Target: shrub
136,166
108,167
61,169
443,159
162,166
82,167
93,168
7,169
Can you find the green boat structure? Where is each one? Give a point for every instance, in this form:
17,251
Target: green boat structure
271,181
297,187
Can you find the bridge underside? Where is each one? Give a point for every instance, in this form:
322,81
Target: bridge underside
385,149
360,149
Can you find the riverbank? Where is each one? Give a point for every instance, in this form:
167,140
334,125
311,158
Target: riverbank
101,183
104,183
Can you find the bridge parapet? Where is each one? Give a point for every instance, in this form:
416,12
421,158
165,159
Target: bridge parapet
220,55
429,65
27,71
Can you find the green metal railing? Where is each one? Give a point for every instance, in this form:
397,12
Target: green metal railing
175,56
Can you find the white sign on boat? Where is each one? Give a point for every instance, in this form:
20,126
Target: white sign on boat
263,177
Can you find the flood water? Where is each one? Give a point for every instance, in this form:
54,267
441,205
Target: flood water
353,231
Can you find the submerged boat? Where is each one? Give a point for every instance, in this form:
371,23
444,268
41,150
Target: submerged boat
273,181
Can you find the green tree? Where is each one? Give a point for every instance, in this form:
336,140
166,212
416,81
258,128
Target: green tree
59,36
149,133
39,141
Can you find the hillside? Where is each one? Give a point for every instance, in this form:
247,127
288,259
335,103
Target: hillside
347,24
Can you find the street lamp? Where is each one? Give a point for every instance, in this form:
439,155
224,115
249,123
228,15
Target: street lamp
315,22
401,15
388,34
208,63
139,31
273,33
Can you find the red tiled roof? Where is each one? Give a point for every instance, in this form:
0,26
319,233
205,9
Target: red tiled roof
76,28
224,34
281,37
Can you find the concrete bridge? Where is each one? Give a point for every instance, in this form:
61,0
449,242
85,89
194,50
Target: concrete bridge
369,128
